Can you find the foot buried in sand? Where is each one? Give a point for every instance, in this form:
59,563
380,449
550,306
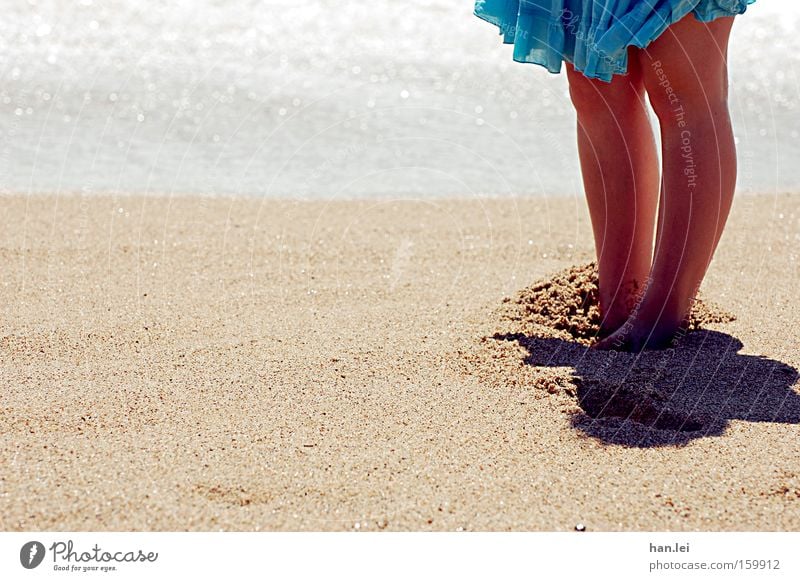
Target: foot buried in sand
566,305
648,329
634,337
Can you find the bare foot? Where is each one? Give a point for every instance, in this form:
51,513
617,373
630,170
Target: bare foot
635,336
621,310
607,329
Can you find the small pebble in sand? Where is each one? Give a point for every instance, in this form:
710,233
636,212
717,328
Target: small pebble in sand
580,527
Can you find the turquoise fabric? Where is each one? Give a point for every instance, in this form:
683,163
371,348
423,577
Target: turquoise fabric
593,35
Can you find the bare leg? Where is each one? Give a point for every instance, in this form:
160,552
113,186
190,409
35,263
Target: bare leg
619,164
685,72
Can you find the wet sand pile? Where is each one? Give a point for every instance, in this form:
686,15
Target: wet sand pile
655,398
566,306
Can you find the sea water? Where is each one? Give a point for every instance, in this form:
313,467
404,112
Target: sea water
326,99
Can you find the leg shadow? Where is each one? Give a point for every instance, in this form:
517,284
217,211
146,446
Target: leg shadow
669,397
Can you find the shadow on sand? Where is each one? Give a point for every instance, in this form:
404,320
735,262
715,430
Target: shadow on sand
669,397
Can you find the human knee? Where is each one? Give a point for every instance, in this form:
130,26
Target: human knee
592,96
672,90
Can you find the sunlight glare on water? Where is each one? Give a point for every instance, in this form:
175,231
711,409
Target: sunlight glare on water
326,100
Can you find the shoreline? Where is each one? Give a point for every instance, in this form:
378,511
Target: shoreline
250,197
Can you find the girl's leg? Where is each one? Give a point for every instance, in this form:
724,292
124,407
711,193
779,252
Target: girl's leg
619,164
685,73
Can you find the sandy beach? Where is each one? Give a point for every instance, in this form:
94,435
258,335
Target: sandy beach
194,363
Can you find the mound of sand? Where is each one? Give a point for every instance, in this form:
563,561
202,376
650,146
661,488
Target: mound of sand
651,399
566,306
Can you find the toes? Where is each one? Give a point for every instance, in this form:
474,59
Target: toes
607,330
612,342
610,324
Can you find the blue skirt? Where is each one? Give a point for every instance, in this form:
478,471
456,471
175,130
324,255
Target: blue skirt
593,35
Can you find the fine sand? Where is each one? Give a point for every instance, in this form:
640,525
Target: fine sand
191,363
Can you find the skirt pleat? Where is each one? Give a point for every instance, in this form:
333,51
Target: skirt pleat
593,35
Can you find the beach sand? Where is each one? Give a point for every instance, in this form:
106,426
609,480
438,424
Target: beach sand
196,363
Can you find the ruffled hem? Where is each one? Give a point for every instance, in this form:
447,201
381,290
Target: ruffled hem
595,42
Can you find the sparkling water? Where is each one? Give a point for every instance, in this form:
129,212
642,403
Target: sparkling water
326,99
